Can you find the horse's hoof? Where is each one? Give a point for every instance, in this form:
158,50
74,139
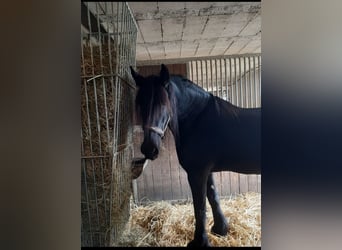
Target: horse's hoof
194,243
221,229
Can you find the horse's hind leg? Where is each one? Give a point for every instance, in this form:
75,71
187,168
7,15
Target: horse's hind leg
220,223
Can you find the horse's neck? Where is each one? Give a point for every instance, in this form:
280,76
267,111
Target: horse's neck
190,102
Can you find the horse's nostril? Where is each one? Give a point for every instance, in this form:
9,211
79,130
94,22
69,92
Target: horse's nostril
155,151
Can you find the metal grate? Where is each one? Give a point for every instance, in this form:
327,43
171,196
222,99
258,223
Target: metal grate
108,41
236,79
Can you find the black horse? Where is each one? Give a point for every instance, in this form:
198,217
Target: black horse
210,135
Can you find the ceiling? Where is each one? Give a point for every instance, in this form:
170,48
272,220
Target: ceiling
176,30
181,30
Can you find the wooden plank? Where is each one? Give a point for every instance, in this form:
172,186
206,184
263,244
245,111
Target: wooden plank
141,190
234,183
173,164
243,183
165,169
157,180
259,184
253,183
225,183
186,191
217,182
147,178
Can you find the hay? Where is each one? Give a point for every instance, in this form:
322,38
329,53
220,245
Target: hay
163,224
105,117
95,63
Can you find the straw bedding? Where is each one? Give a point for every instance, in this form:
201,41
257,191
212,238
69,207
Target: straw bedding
163,224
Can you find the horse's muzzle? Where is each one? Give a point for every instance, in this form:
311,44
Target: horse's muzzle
150,151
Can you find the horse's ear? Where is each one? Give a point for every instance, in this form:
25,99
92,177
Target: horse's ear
137,78
164,75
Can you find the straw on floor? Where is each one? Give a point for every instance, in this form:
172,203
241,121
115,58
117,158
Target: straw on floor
164,224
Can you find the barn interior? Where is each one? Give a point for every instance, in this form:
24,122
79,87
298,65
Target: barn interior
217,45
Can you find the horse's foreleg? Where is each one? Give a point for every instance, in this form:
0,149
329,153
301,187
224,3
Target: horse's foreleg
198,187
220,223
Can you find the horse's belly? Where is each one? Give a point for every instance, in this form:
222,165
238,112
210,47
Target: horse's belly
242,168
245,163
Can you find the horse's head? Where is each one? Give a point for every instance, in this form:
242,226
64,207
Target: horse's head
153,108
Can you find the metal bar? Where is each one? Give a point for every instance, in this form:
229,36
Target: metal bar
90,24
254,87
96,156
112,75
252,82
196,72
259,82
221,80
131,15
226,79
244,83
240,83
97,114
202,81
206,74
245,74
89,126
114,89
125,43
237,99
211,76
188,59
230,80
250,101
216,81
87,201
187,67
86,189
109,42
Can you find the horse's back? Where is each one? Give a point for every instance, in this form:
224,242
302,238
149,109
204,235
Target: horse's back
226,137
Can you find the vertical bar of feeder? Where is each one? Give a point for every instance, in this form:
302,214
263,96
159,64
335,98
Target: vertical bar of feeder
89,124
115,98
103,79
89,228
97,110
126,50
86,189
